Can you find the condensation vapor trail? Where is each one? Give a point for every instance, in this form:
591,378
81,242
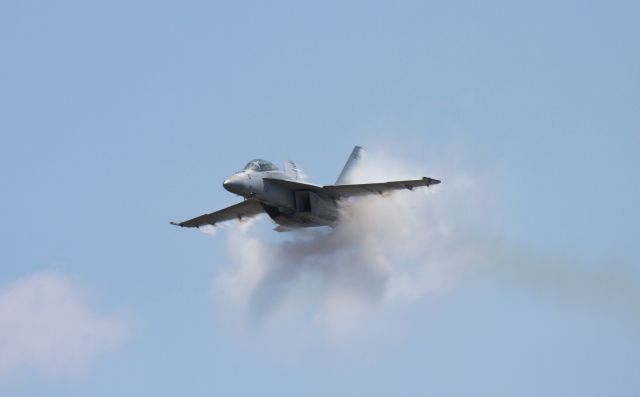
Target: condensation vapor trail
396,251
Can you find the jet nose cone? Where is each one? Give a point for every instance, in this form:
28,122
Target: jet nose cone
232,184
228,184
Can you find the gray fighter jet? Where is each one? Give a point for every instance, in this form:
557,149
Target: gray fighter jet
290,202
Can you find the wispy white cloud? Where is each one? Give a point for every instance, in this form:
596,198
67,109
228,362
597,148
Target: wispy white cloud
47,325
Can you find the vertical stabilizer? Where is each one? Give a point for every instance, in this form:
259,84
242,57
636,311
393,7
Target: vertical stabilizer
292,170
351,164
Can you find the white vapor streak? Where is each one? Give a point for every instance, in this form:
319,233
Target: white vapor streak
387,252
349,283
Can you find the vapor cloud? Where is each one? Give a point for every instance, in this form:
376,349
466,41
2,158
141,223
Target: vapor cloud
47,325
388,254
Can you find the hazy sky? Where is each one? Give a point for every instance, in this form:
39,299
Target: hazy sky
119,117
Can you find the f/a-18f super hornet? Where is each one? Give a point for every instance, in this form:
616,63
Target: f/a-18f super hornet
289,201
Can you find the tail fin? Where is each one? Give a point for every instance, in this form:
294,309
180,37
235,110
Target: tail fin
292,170
347,171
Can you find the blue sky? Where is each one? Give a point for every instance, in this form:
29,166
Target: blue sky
122,116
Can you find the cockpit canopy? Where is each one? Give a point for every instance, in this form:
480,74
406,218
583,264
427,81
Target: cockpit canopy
260,165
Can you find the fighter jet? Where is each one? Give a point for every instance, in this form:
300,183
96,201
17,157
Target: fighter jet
290,202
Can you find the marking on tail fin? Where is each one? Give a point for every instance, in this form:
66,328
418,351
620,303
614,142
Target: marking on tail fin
351,163
292,170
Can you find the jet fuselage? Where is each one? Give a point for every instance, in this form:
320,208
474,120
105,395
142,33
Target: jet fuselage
286,207
291,202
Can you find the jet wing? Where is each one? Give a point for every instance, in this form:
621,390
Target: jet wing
360,189
294,185
245,209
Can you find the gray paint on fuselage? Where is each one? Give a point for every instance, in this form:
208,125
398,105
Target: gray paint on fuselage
280,202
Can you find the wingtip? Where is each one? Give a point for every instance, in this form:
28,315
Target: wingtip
175,224
431,181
